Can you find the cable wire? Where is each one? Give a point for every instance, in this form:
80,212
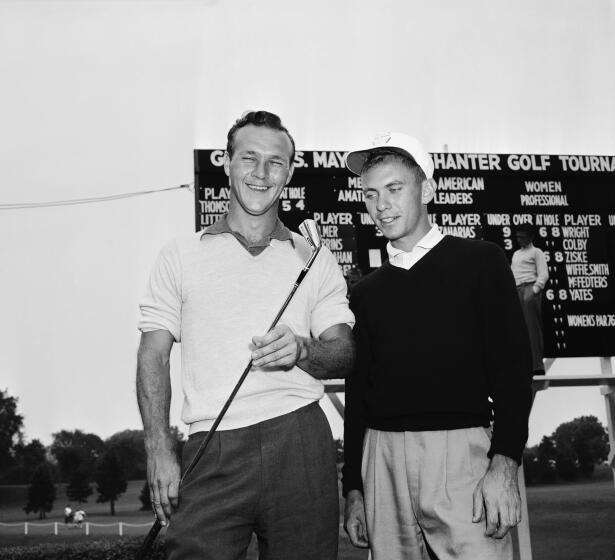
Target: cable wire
71,202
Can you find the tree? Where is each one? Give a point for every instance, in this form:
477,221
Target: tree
545,461
530,461
78,488
566,463
11,425
76,451
580,444
26,458
129,447
591,443
110,479
41,492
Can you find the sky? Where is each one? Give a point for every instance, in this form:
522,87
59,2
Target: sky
113,97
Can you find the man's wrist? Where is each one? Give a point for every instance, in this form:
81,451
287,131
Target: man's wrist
160,442
354,495
303,352
503,462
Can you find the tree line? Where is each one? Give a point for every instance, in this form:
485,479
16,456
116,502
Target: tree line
570,453
78,459
74,458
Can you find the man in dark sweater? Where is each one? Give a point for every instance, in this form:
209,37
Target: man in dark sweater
442,350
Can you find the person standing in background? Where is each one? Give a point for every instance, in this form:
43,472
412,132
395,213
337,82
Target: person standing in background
68,514
529,266
78,517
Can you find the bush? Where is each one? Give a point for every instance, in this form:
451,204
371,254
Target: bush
93,550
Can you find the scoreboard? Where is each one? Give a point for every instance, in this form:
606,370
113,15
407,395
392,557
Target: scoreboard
569,199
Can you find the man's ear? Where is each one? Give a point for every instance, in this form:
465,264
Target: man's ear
227,164
428,191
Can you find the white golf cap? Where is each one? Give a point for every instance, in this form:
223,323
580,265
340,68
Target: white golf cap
397,141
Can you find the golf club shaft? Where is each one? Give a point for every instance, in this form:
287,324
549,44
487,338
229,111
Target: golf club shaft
243,376
157,526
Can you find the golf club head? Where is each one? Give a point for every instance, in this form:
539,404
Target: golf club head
309,230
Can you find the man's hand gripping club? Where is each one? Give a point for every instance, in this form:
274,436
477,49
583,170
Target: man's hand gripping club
279,348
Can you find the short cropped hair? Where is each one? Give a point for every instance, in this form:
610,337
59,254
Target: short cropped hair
383,155
257,118
528,229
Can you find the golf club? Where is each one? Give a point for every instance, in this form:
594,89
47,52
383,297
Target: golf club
309,230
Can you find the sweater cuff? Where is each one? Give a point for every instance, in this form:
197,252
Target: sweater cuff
511,451
350,481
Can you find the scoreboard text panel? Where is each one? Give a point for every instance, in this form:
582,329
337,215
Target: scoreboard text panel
569,199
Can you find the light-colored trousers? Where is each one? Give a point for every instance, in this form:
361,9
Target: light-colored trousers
418,490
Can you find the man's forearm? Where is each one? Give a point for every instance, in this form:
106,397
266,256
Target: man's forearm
154,397
326,359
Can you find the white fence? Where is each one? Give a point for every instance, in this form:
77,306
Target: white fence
57,527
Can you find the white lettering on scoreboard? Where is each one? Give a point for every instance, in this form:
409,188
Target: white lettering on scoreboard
336,218
484,196
588,320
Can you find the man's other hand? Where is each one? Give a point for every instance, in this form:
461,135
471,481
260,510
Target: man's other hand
497,499
354,519
163,474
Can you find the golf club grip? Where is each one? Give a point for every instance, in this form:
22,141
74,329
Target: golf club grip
153,532
149,541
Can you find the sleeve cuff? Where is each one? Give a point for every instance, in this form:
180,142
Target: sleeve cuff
511,452
350,482
149,326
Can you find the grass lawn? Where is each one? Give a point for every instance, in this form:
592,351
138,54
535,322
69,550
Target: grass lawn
567,521
13,498
572,521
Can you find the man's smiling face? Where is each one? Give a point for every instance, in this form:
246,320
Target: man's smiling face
259,168
393,198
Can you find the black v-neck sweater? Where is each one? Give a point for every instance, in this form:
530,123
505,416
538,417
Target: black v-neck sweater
439,347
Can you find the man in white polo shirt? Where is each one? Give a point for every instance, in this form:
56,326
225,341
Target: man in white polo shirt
270,468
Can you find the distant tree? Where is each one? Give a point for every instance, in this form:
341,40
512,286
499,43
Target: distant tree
580,444
566,463
591,443
26,458
144,497
110,479
129,447
78,488
545,461
11,425
41,492
76,450
31,453
530,460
